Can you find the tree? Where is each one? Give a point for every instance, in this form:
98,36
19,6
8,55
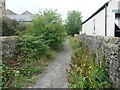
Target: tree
73,22
49,24
10,26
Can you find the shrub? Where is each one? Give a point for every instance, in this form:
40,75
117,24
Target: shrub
10,26
50,24
34,46
56,33
85,72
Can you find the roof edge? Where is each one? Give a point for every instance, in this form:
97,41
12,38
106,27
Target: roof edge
100,9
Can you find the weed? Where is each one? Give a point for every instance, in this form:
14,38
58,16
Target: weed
84,71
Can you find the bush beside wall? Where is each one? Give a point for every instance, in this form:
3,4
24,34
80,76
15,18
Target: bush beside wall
11,26
107,50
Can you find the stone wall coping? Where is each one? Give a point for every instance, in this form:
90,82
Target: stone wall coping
107,39
8,37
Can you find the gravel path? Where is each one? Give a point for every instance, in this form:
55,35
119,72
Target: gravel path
55,75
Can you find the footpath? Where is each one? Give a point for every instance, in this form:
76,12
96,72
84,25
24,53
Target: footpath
55,75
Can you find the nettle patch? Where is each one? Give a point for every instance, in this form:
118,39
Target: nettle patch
84,71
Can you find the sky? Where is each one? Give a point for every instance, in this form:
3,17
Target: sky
86,7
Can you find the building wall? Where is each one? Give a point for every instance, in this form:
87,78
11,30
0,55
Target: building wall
0,26
113,5
0,8
88,27
107,50
95,25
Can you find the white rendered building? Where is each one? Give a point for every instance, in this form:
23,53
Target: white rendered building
105,21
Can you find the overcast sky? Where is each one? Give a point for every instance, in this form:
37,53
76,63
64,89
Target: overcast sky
87,7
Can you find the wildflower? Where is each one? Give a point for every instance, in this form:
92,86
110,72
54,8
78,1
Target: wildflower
26,59
87,57
81,72
91,67
84,65
102,70
79,69
89,72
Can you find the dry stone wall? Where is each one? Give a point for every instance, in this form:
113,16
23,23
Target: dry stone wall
8,45
107,50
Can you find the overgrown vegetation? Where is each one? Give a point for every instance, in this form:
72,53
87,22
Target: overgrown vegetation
84,71
10,26
36,45
73,22
50,24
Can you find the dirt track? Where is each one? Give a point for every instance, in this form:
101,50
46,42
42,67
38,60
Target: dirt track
55,75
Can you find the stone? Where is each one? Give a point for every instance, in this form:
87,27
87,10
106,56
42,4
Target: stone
8,45
117,41
106,39
109,47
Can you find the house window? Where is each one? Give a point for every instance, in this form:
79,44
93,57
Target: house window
117,25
